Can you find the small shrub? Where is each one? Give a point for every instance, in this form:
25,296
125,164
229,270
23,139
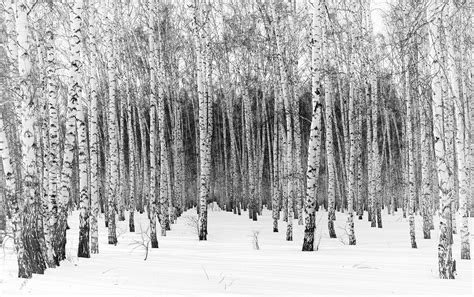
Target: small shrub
193,223
143,242
255,239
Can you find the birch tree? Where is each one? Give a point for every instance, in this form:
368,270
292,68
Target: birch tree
132,166
51,215
76,94
461,137
164,172
16,205
330,155
153,74
314,147
411,166
441,147
27,140
3,90
113,165
204,114
94,138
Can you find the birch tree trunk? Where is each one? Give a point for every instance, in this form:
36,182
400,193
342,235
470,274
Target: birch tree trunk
94,139
295,109
289,156
314,147
330,156
76,95
124,171
204,114
425,172
164,172
251,158
16,205
153,75
3,194
132,168
461,134
51,211
350,168
233,153
411,162
468,82
3,90
276,162
67,167
28,148
425,134
370,163
121,138
94,161
113,165
351,148
376,162
360,155
179,155
441,144
461,141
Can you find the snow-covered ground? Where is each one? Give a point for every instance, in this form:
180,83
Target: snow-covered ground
382,262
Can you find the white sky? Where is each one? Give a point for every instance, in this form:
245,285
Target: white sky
379,8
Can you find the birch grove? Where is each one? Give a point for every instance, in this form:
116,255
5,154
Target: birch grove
289,113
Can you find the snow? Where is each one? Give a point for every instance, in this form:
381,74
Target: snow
381,263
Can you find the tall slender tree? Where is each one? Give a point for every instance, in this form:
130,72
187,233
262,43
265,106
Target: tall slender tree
314,147
112,164
153,52
93,136
442,144
328,120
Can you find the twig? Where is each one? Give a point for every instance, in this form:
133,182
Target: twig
205,272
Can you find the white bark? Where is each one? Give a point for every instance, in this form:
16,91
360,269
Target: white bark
442,142
75,90
204,120
27,134
132,156
52,148
330,155
94,139
153,74
112,164
314,147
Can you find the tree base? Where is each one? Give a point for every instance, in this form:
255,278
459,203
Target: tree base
332,232
427,234
83,249
308,242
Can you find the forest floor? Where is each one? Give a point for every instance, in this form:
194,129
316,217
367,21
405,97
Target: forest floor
381,263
